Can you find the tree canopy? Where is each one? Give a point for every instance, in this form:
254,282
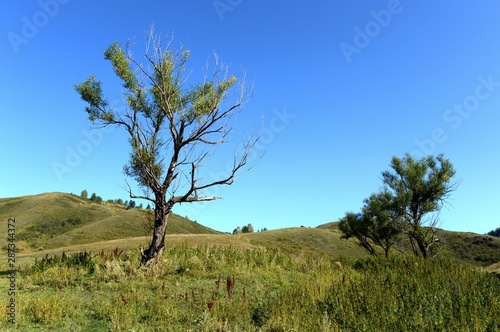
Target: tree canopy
173,128
414,192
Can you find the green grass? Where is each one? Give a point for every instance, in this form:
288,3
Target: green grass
56,220
212,288
280,280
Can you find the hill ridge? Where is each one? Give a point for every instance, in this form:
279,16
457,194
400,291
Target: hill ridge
51,220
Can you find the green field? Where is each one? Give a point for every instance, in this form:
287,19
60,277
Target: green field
292,279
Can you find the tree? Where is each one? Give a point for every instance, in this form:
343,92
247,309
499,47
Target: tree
380,213
250,228
237,230
354,225
375,225
495,232
172,129
84,194
93,197
131,204
419,189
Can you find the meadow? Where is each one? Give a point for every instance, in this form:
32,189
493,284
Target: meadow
292,279
217,288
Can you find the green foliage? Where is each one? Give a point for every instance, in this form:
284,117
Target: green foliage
91,92
84,194
48,229
210,288
80,259
375,225
419,188
495,232
412,191
354,225
121,65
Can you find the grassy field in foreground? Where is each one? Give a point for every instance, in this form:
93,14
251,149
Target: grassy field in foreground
291,279
213,288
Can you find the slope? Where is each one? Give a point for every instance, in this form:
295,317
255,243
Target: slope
54,220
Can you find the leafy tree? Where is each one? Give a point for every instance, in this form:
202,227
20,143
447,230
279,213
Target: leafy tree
354,225
495,232
172,128
375,225
237,230
419,189
131,204
244,229
93,197
84,194
250,228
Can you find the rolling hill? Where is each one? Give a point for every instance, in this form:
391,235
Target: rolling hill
56,220
51,223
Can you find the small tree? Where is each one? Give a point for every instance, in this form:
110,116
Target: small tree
93,197
419,189
172,128
382,218
354,225
237,230
374,226
84,194
250,228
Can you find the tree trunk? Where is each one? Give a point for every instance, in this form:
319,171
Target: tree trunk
162,212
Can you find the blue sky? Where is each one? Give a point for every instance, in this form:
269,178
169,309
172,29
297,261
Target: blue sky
339,88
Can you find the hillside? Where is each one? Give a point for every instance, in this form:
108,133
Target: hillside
55,220
463,247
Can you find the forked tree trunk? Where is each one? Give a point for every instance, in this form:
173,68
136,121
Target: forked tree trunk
162,212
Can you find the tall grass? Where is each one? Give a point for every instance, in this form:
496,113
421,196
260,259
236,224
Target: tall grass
232,289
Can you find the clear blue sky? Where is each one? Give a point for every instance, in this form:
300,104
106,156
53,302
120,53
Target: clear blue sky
339,87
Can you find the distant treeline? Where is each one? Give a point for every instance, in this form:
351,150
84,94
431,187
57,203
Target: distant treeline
98,199
495,232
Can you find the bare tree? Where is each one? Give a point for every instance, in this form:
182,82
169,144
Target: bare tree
173,129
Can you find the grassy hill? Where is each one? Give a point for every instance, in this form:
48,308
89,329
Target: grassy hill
56,220
298,279
463,247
